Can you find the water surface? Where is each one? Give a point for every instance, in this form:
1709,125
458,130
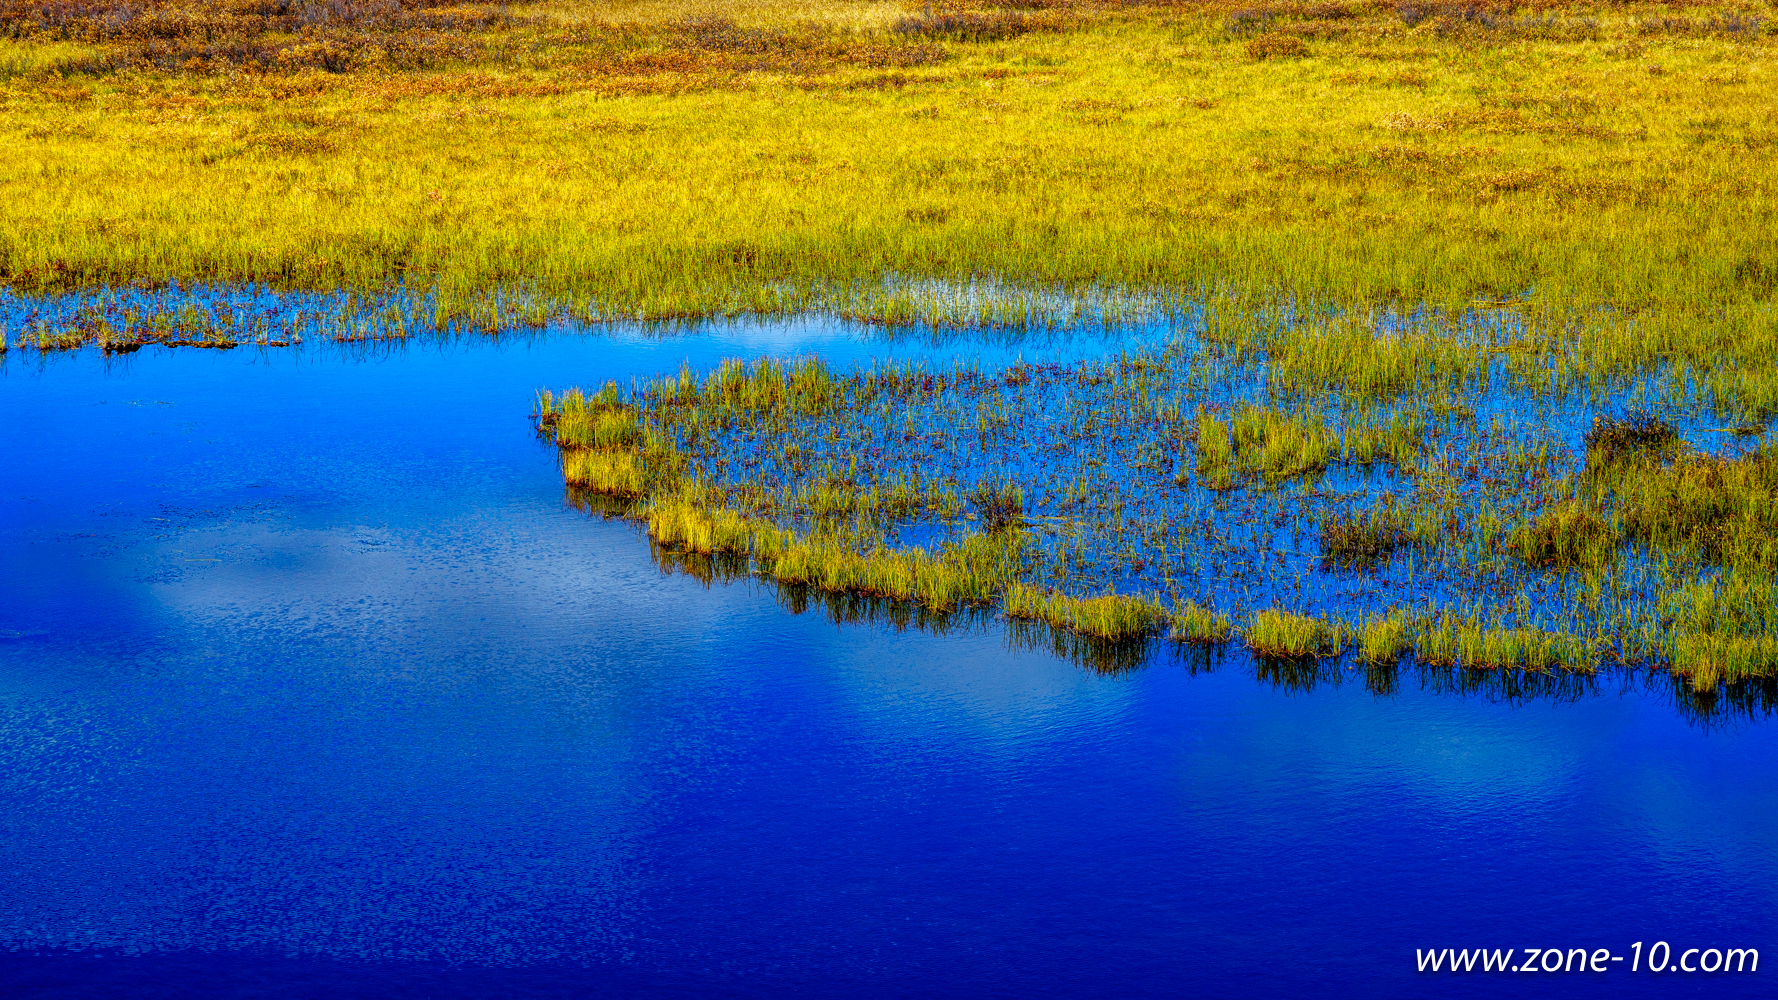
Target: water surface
312,683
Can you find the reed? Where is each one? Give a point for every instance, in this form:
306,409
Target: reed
612,473
1111,617
1263,443
1399,440
1449,640
852,483
1364,542
1382,639
1356,360
1192,623
1568,534
1724,509
1286,635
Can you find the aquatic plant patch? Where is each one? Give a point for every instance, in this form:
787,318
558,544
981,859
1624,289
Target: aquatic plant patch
1078,495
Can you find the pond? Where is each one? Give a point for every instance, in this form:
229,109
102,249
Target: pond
313,682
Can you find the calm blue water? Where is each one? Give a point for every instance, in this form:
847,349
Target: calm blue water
313,684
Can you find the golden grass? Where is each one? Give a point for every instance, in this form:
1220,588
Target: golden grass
1450,640
1111,617
621,159
807,475
1290,636
1382,209
1193,623
1383,638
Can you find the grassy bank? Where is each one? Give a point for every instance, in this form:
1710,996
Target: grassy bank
670,159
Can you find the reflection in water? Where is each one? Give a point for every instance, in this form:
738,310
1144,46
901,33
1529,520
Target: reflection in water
1105,657
1745,701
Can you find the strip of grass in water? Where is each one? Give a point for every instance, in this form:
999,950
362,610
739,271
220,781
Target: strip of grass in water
1075,495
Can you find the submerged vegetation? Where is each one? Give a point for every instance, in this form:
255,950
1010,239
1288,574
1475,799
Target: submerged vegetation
1451,326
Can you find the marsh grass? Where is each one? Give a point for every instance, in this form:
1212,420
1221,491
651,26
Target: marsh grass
1192,623
1636,436
613,473
1285,635
1111,617
1364,542
1723,509
859,483
1263,443
1382,639
1568,534
998,506
663,161
1357,225
1397,439
1452,640
1357,360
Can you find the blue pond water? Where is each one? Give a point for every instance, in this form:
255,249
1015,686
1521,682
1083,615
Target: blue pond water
312,683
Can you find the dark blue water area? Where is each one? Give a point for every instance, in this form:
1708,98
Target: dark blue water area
313,684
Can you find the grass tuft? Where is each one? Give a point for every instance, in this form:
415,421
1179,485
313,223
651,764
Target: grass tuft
1288,636
1365,542
1192,623
1110,617
1569,534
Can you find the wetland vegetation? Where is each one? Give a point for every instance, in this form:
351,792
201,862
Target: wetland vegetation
1452,325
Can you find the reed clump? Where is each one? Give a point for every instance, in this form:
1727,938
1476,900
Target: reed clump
998,506
975,571
1398,440
615,473
1193,623
1638,435
1357,360
1568,534
1286,635
1364,542
1724,509
707,531
1110,617
1721,630
1452,640
1263,443
1710,660
1382,639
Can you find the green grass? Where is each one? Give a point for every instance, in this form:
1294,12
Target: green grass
1261,443
1569,534
1450,640
1382,639
1363,542
1644,550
